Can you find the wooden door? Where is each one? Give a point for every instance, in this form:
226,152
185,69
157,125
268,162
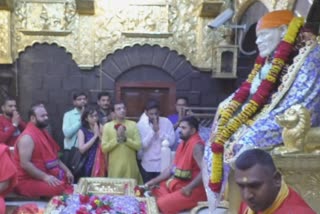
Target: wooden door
137,94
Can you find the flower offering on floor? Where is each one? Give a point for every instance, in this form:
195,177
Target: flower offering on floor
89,204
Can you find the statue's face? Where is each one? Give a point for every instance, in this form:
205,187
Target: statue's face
268,40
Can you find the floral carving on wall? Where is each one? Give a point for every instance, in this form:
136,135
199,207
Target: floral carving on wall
116,24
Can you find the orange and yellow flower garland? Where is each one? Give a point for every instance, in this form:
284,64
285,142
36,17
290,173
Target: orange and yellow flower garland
227,125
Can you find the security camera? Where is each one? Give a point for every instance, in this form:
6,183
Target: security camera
221,19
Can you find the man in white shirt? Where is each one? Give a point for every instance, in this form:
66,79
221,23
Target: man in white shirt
153,131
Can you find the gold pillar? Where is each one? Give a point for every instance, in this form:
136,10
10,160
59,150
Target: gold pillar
5,37
302,173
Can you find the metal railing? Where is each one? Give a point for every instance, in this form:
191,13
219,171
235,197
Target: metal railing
205,115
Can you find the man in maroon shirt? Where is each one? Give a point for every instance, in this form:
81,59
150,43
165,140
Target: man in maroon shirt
11,125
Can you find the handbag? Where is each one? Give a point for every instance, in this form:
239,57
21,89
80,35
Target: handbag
76,161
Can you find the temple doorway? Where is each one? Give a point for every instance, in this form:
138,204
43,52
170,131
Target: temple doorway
136,95
138,84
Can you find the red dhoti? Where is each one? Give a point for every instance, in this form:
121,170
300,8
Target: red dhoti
45,158
8,173
37,188
170,199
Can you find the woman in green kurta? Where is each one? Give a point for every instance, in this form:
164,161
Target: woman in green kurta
121,142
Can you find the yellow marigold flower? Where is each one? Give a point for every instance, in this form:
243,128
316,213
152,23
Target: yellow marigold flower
293,29
216,173
97,202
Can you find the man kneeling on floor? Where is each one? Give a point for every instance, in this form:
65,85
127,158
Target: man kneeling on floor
40,172
262,187
181,186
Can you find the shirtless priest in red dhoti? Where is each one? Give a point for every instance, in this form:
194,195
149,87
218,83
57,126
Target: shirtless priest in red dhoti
8,174
262,187
181,186
40,172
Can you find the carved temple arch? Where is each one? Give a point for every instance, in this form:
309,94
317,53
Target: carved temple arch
169,61
54,43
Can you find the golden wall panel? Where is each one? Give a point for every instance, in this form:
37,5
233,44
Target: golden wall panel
119,23
38,21
115,25
172,24
302,172
85,53
5,46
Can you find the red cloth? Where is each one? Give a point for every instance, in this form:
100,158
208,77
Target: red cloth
8,132
45,158
99,166
170,200
8,172
292,204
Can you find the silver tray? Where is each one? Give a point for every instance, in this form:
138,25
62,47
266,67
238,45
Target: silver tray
110,186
